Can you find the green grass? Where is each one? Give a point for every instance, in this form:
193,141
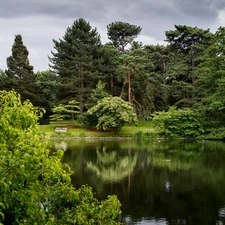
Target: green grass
76,129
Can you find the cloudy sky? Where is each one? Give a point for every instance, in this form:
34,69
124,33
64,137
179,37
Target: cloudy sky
40,21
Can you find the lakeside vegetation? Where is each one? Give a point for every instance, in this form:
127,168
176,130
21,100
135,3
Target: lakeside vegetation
179,86
35,186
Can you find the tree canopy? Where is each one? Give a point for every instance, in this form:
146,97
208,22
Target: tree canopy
76,60
19,72
121,34
186,73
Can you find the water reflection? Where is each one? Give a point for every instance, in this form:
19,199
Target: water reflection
109,167
166,182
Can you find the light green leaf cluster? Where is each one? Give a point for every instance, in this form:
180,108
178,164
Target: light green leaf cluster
63,112
113,113
34,187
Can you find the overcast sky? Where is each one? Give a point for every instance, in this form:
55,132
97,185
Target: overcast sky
40,21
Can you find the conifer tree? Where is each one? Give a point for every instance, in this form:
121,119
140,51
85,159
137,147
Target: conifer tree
188,44
20,73
121,34
76,61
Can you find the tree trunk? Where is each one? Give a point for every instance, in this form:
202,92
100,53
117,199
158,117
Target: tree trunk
129,88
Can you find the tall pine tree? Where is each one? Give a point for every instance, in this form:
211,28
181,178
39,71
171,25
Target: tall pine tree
122,34
76,61
20,73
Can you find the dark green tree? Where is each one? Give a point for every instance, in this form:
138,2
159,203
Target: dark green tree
121,34
136,73
211,79
76,61
110,55
160,57
46,82
191,41
3,80
20,73
188,44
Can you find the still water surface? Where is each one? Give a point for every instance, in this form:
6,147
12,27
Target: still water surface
157,182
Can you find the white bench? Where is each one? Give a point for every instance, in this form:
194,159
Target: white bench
61,129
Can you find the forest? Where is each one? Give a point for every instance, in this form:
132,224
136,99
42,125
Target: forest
178,86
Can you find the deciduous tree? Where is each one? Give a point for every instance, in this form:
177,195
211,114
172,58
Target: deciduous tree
113,113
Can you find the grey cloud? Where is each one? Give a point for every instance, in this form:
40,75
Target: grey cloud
39,21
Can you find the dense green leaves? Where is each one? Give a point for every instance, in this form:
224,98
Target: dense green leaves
112,113
20,75
179,123
211,78
121,34
34,187
76,60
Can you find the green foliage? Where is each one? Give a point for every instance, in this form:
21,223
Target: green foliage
211,81
34,187
97,94
76,60
179,123
121,34
112,113
20,73
63,112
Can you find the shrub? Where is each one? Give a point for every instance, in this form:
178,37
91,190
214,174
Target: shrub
179,123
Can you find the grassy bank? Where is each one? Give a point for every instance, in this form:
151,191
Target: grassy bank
75,129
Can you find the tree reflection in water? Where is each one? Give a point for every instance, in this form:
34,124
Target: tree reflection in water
111,168
167,182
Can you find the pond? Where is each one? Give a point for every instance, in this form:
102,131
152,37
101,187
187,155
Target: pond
162,182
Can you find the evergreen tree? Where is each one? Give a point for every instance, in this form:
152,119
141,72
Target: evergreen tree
110,55
3,80
160,57
192,42
20,73
46,82
121,34
136,74
211,79
76,61
188,44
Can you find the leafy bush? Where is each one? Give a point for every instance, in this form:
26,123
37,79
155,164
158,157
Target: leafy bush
179,123
34,186
112,113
